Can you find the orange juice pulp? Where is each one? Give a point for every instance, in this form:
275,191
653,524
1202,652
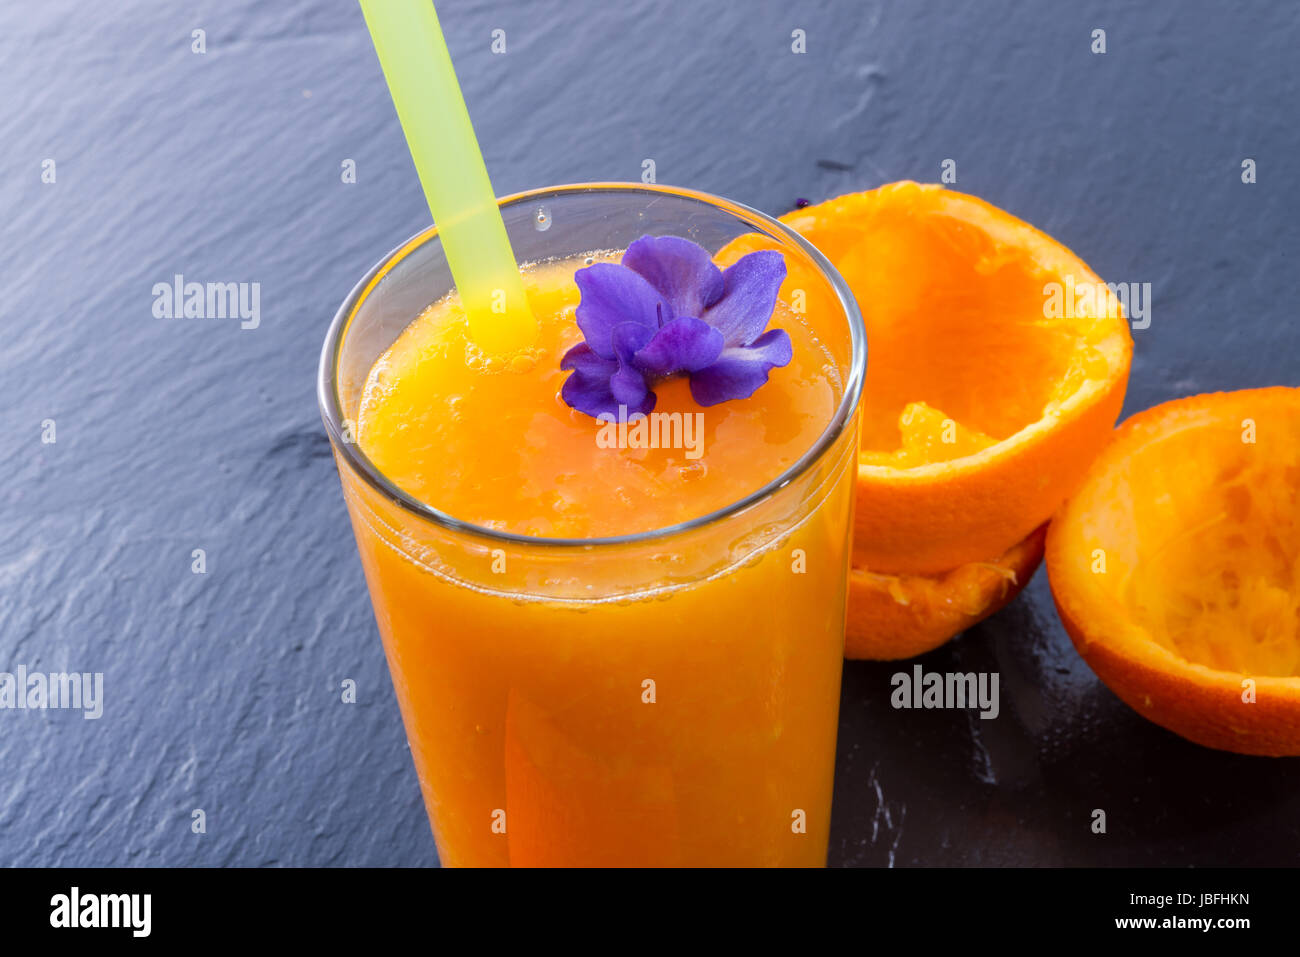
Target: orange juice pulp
669,701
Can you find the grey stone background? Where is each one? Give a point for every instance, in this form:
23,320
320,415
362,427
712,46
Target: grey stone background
222,689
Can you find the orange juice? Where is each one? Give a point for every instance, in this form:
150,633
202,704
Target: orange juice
490,441
606,655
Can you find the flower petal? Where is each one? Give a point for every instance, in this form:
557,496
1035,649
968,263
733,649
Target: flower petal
740,370
683,345
628,384
681,271
613,294
587,390
751,286
582,360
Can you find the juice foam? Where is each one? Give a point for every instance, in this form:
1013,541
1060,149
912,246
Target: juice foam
489,440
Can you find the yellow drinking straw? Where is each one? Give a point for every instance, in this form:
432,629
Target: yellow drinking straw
431,109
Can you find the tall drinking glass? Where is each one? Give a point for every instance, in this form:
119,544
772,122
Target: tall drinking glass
662,698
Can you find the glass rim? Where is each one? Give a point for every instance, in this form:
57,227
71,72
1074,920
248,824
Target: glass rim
331,405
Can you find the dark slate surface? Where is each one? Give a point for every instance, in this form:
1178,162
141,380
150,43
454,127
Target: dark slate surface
222,689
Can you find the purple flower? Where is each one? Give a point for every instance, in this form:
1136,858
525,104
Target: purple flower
668,310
